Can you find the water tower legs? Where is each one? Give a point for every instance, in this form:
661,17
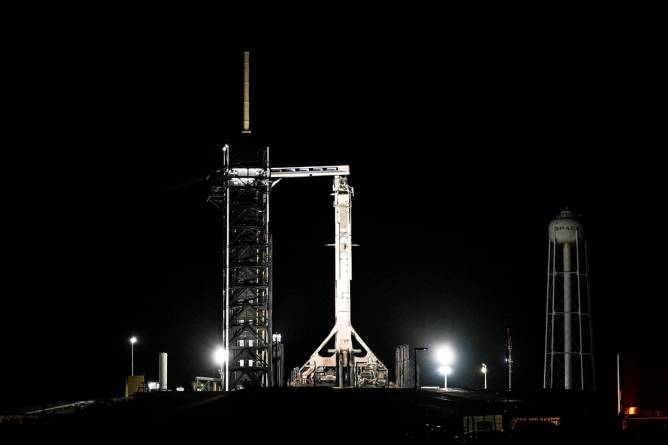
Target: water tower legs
568,342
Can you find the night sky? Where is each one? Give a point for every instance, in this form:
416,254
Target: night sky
461,152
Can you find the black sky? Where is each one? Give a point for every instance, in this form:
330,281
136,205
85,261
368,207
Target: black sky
461,150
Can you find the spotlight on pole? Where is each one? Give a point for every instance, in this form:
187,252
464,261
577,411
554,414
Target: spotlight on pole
133,340
484,372
220,358
445,356
445,370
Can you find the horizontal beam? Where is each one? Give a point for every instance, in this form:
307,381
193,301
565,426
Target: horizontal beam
306,172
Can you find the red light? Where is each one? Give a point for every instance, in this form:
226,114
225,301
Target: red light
631,410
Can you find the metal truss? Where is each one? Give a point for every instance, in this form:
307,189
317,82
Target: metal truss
242,194
568,367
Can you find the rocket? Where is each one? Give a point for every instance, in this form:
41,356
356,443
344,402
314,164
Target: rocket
343,262
344,355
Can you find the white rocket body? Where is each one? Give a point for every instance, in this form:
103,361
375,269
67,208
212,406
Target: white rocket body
344,354
343,263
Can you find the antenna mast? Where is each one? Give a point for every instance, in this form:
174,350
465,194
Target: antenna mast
246,124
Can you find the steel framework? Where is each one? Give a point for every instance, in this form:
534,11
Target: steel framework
241,190
404,367
569,358
242,194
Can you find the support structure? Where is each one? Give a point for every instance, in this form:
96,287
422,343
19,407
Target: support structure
404,367
242,194
569,359
279,360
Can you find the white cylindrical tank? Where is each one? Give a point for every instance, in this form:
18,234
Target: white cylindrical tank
565,228
162,371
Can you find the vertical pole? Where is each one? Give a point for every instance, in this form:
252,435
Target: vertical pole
547,313
132,359
509,359
417,370
271,378
224,368
589,318
568,341
619,390
554,276
415,373
246,122
485,378
227,285
339,368
580,351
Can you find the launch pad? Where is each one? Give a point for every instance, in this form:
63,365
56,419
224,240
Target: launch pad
241,190
242,194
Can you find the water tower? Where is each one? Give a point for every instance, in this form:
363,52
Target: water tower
569,360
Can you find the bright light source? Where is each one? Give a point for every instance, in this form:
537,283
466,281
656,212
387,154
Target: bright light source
220,356
445,356
180,389
484,372
632,410
133,340
445,370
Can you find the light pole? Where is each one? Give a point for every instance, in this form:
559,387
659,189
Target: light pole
509,359
133,340
484,372
445,370
220,357
415,374
445,357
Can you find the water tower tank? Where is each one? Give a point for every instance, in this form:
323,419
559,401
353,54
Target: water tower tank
565,228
